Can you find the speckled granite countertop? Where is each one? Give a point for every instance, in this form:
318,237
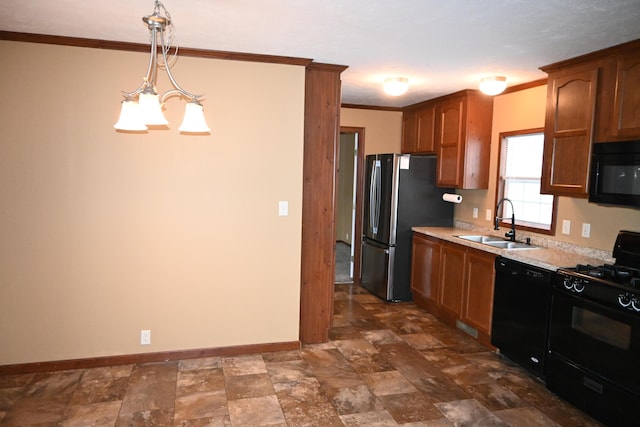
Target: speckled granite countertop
550,254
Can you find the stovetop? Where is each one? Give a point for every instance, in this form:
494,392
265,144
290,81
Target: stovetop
601,285
612,273
616,285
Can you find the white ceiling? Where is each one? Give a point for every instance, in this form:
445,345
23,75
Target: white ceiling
441,46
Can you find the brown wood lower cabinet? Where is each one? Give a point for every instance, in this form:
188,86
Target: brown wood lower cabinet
478,283
425,261
454,283
452,271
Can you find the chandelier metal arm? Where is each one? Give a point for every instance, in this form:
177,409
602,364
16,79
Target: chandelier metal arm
175,84
176,92
152,71
149,79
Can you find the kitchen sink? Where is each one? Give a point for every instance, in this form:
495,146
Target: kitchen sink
497,242
482,239
510,245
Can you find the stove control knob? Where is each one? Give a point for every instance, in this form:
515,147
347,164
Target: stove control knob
635,303
567,283
578,286
624,300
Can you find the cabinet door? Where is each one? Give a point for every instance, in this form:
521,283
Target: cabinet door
409,132
449,138
425,267
425,125
571,101
479,279
626,107
452,267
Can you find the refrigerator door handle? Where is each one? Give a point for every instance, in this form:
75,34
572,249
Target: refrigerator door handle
375,199
371,196
373,171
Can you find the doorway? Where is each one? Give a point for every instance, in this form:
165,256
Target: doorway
350,161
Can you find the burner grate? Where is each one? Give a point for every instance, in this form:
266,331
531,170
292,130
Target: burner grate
612,273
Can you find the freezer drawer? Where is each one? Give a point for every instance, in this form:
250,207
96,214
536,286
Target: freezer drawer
377,269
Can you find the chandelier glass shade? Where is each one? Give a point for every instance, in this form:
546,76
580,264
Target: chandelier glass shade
143,107
493,85
194,119
396,86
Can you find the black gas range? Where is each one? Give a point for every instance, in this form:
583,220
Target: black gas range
610,284
594,335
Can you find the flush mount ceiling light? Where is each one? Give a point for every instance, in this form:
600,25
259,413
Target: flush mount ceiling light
143,106
396,86
493,85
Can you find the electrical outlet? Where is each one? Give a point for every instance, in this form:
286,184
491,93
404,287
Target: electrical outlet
145,337
586,230
488,215
566,226
475,212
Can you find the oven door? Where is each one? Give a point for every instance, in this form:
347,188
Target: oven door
601,340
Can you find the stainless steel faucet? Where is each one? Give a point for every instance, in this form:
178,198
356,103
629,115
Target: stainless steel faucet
512,233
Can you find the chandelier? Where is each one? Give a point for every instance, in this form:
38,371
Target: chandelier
396,86
493,85
143,107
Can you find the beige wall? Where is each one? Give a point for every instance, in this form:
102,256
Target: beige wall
383,129
525,110
104,234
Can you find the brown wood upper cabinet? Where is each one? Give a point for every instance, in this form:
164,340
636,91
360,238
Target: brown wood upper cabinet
592,98
409,132
457,128
463,140
418,127
619,117
451,115
568,132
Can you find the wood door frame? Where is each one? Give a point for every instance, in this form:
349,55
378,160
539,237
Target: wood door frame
359,177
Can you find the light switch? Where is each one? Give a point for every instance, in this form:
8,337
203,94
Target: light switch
475,212
488,215
283,208
566,226
586,230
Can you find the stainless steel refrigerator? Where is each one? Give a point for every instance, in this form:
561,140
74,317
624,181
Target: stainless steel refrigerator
400,192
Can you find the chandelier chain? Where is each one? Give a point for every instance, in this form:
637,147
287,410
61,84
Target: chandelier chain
168,43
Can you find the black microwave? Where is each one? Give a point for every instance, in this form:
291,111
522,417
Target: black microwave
615,173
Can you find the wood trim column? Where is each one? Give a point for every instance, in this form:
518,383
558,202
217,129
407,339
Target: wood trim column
321,132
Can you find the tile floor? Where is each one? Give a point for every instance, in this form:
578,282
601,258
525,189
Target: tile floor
386,365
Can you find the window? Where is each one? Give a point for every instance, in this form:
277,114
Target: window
519,181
